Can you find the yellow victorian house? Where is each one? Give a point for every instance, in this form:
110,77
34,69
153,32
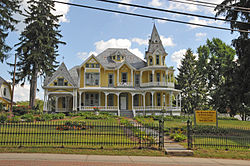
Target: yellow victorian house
116,81
5,93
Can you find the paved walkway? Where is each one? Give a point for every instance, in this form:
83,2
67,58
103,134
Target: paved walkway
31,159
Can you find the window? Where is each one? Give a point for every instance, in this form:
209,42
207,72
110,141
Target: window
97,65
92,99
4,91
158,99
157,60
124,77
60,81
114,57
118,57
136,100
150,61
110,79
111,100
55,83
65,83
151,78
158,77
92,65
92,78
87,65
137,80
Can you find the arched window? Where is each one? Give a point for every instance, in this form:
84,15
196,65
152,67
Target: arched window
157,60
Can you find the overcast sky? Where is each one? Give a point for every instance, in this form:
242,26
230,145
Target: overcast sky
89,31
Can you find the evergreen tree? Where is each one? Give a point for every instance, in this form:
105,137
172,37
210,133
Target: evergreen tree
187,81
242,47
37,50
7,23
216,64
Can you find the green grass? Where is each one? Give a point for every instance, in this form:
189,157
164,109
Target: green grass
86,151
222,153
183,123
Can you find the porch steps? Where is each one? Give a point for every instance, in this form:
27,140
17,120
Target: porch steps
127,113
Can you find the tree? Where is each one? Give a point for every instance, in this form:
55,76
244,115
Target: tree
7,23
216,65
37,49
242,46
187,81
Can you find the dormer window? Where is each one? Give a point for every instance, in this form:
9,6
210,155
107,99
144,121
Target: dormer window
97,65
118,57
92,65
65,83
60,81
150,61
157,60
87,65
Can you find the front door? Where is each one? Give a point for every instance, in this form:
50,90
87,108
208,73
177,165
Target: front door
123,103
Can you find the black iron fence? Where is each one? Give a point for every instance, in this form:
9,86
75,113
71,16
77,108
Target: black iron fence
220,137
79,134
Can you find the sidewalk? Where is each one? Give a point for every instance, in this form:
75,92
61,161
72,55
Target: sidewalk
38,159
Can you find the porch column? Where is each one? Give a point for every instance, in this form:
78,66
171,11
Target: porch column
177,100
74,100
117,77
144,100
152,94
132,94
80,101
56,104
170,99
141,77
118,103
106,94
131,77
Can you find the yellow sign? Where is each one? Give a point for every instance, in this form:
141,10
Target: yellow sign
203,116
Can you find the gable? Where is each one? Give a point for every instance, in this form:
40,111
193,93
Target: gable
57,81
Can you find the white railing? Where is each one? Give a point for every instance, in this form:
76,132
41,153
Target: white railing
168,84
125,84
64,109
156,108
100,108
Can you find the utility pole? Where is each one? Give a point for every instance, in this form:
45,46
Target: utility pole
13,86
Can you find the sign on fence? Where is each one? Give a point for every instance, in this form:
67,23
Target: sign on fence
204,116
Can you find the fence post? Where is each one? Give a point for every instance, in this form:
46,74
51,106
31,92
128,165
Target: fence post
189,130
161,133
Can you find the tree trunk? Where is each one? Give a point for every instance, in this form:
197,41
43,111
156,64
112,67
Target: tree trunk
33,87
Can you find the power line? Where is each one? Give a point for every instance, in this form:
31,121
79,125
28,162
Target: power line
209,6
170,11
227,6
147,16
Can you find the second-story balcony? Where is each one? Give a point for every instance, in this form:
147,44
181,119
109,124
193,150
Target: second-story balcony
125,84
152,84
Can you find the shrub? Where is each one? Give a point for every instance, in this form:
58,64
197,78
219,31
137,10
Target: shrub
28,117
13,119
179,137
3,117
46,117
227,118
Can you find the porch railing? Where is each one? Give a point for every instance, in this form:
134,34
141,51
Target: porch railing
125,84
101,108
168,84
64,109
152,108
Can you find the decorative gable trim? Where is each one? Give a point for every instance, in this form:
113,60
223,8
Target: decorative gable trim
129,65
89,58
